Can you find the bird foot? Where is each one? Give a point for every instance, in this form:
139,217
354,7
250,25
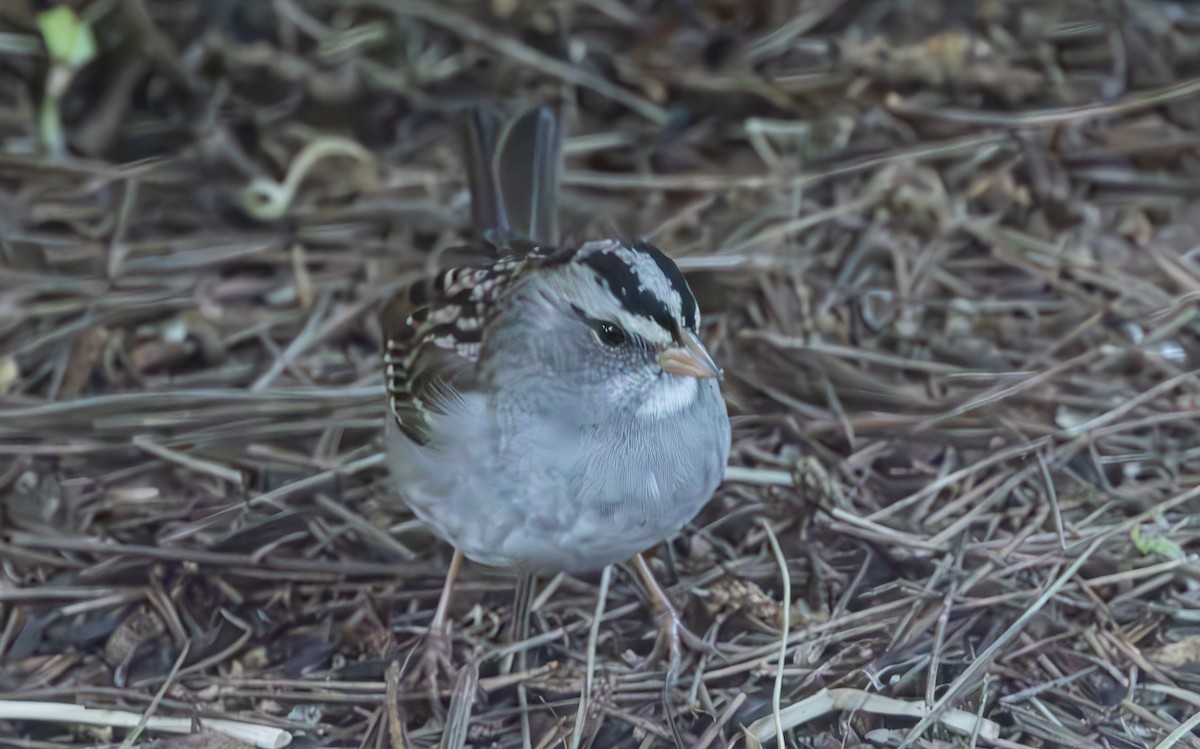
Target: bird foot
672,635
435,666
673,638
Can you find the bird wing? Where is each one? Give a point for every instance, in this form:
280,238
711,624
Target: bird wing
434,329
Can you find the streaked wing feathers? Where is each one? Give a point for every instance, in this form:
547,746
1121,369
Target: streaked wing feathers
435,329
434,332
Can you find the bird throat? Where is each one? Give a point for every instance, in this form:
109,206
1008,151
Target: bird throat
668,396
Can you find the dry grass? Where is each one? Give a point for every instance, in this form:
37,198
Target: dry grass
947,253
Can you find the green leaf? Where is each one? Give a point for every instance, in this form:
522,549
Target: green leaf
1155,544
68,38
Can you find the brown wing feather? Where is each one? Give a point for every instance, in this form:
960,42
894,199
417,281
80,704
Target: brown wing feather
400,341
434,331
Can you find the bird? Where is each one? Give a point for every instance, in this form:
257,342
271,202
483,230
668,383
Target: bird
551,405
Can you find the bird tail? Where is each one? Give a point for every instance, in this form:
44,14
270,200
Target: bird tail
514,173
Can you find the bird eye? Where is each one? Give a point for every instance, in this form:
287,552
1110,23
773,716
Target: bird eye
609,334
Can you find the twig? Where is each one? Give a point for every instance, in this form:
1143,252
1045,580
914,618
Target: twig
785,613
265,737
167,682
828,701
593,639
968,676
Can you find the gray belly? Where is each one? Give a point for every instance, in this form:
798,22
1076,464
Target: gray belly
567,500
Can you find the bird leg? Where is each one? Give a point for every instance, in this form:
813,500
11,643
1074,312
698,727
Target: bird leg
672,635
518,628
437,643
523,596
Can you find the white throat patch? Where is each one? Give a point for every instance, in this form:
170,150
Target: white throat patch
668,396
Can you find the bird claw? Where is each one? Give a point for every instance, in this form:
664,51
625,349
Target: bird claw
435,667
672,635
672,638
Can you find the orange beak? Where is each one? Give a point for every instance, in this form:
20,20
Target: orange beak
689,360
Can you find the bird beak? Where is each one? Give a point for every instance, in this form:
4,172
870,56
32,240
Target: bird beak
689,360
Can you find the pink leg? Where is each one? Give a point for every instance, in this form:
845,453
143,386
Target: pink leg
672,635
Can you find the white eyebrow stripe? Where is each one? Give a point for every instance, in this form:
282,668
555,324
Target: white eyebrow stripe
573,283
645,269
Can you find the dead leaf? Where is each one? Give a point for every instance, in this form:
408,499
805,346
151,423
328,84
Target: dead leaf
85,352
1182,654
9,374
203,740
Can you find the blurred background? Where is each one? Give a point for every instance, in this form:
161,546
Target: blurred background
948,258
